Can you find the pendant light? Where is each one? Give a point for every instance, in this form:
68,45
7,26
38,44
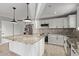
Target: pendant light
13,21
28,20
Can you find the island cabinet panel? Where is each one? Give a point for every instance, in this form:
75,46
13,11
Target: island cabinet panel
26,49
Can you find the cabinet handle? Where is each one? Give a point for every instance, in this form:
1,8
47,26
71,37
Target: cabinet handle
64,41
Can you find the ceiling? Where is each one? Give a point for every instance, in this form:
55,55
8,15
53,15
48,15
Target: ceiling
58,9
21,10
44,9
7,11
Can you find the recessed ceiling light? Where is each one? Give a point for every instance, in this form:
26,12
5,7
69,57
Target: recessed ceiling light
55,12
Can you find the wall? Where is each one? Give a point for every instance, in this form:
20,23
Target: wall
78,17
7,28
0,31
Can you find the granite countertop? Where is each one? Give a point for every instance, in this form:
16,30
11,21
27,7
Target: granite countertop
28,39
73,39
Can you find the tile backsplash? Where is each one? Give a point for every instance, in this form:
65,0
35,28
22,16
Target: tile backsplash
56,30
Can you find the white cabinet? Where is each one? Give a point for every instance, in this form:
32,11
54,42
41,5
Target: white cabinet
65,23
52,39
72,21
58,40
55,39
52,23
43,21
58,23
55,23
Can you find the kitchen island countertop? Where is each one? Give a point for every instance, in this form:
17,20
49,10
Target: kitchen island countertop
27,39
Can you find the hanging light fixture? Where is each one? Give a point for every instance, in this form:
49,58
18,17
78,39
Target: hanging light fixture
27,19
14,21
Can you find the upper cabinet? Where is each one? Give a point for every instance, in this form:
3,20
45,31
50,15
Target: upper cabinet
55,23
58,23
72,21
65,22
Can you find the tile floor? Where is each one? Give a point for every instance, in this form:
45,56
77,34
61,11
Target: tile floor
50,50
4,50
54,50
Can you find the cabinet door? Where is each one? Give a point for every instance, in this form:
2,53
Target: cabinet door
65,23
55,39
58,23
53,23
72,21
52,39
60,40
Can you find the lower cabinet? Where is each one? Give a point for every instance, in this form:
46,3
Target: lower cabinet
56,39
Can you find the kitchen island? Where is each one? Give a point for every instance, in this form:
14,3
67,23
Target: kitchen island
26,45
